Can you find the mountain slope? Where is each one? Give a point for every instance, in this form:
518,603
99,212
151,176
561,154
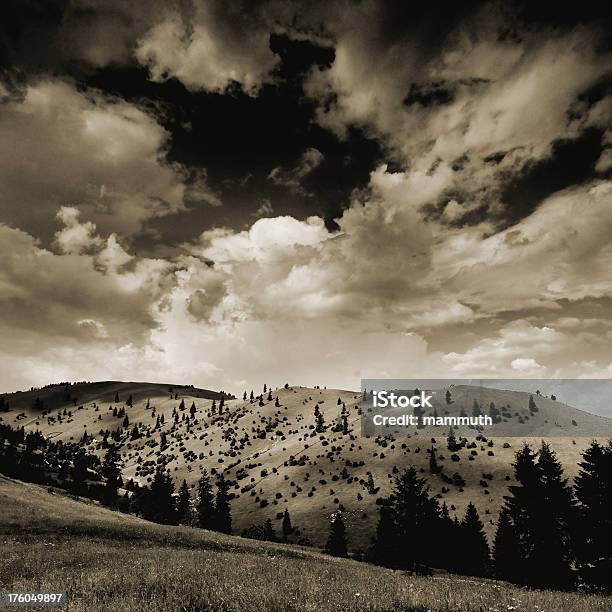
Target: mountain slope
275,459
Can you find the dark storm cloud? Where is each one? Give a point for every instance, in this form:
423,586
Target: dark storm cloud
199,187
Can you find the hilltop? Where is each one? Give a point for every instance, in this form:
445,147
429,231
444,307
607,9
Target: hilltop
274,458
106,560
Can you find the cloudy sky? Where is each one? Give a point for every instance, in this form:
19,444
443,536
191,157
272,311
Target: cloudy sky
227,193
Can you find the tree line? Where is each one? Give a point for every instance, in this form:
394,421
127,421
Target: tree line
549,534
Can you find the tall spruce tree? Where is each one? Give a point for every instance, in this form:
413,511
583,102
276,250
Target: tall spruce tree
506,554
183,504
539,510
157,503
383,550
593,527
206,503
111,471
553,519
223,513
412,523
336,542
286,525
475,554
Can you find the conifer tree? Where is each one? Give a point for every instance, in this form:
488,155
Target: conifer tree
553,519
206,504
540,510
192,409
286,525
268,531
475,554
111,471
79,472
384,547
415,518
319,420
117,397
336,542
182,405
183,504
223,514
130,401
506,557
157,503
593,527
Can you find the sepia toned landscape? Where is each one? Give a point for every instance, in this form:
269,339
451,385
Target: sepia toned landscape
226,226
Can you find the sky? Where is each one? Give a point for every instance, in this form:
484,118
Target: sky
232,193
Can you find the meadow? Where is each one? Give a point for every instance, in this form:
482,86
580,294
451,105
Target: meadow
110,561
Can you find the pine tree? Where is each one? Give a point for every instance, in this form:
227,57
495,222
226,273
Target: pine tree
336,542
206,504
506,556
223,514
553,520
475,557
540,510
593,527
183,505
286,525
415,515
126,422
158,501
448,397
79,472
384,549
117,397
182,405
268,531
319,420
449,541
130,401
192,409
111,471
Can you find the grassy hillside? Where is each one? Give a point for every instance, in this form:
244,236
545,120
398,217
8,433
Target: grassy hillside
110,561
276,460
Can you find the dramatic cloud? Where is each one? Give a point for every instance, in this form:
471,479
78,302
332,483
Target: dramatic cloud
479,246
210,46
62,147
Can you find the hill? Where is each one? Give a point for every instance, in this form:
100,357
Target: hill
274,458
109,561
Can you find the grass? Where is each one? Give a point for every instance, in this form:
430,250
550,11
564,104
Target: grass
107,561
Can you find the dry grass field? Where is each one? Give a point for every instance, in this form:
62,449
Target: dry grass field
110,561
